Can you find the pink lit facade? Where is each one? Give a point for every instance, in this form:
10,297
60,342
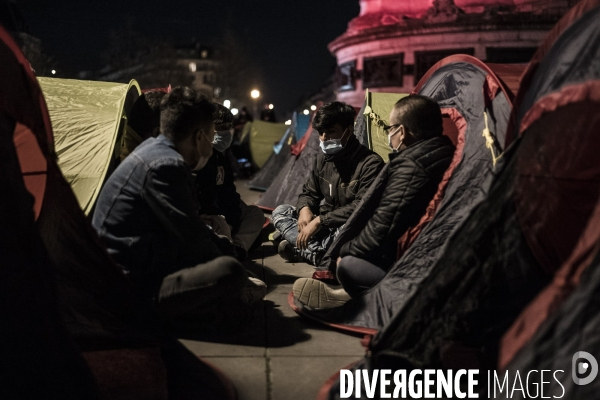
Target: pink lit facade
392,43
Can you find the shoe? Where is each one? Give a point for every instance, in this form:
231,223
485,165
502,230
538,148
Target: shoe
254,290
317,294
288,252
275,237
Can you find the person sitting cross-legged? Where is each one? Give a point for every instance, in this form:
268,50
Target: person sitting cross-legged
420,156
220,204
339,178
146,217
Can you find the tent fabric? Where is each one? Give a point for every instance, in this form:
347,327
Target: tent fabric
572,328
88,119
287,186
263,135
265,177
489,272
456,85
301,123
39,359
116,330
378,108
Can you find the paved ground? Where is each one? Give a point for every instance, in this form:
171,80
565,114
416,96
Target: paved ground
279,356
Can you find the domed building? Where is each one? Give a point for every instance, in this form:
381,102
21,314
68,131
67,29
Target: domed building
392,43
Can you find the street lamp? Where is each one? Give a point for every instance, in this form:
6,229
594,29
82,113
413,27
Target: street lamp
255,94
306,112
313,107
227,103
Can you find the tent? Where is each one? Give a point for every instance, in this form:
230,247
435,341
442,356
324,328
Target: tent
281,153
377,109
88,119
538,207
301,122
287,186
461,85
116,331
262,136
39,359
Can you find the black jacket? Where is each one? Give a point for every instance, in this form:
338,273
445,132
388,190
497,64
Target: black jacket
337,183
215,190
412,180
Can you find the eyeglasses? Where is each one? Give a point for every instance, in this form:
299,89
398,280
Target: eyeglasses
387,128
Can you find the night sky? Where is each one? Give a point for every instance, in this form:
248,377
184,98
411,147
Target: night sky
288,38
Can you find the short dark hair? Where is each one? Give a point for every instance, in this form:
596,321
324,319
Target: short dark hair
145,113
334,113
222,115
421,116
181,110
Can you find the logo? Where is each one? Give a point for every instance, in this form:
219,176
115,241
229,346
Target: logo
581,368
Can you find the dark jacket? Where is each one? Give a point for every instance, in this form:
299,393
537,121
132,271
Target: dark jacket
337,183
215,191
412,180
146,216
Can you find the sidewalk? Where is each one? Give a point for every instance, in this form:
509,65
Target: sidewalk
279,356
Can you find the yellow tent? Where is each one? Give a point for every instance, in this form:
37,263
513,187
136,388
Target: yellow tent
377,111
88,119
263,136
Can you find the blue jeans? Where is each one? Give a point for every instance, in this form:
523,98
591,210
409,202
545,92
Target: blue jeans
285,220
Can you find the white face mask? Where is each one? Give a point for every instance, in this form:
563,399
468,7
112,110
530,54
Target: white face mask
332,146
222,140
389,141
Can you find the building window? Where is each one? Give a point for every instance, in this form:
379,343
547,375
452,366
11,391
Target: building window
383,71
345,76
427,59
509,55
192,67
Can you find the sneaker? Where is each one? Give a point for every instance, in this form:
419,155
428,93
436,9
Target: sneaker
288,251
275,237
317,294
254,290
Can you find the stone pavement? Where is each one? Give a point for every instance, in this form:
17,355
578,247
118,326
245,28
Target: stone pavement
279,356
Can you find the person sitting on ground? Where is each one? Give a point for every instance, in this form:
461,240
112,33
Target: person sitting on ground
338,180
421,155
146,217
220,205
143,121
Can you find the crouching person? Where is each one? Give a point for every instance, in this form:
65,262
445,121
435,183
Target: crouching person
339,178
219,203
146,216
420,156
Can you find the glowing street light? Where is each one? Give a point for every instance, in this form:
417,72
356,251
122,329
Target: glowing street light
306,112
234,111
271,106
313,107
288,122
53,72
227,103
255,94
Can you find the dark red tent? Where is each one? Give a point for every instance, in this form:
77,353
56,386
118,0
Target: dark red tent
117,332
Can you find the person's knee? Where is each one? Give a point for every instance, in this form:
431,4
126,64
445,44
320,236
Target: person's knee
232,272
282,210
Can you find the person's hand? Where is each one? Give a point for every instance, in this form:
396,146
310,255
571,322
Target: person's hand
304,218
307,233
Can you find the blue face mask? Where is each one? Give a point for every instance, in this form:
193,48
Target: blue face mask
222,140
332,146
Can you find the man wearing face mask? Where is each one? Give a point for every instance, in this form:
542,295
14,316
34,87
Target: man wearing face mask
339,178
420,156
146,217
220,205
